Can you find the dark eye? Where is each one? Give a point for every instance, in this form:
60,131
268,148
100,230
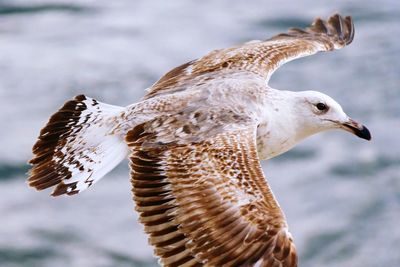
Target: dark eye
321,106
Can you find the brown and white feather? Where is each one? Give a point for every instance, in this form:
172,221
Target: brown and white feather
207,203
259,58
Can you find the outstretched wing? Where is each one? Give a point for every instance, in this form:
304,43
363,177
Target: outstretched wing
207,203
261,58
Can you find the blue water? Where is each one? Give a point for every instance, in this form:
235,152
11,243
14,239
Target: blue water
341,195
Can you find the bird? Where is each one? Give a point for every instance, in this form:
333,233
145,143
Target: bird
194,143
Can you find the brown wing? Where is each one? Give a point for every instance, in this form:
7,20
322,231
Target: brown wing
208,203
260,58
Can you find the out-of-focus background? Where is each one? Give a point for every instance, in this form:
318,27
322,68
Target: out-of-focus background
341,194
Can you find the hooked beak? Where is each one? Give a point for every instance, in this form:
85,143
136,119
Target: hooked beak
356,128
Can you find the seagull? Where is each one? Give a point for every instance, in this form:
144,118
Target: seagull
195,142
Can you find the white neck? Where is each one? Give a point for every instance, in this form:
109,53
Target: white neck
281,126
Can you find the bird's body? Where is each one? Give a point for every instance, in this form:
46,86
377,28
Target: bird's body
194,143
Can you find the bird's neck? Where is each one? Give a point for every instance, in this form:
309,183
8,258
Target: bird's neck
280,128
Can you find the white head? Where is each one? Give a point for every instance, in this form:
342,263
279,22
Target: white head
316,112
289,117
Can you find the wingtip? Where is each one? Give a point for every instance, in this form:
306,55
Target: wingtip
337,26
343,27
350,25
339,29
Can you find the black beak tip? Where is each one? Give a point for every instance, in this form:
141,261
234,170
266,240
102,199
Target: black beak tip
363,133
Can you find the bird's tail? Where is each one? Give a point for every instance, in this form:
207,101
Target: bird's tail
77,147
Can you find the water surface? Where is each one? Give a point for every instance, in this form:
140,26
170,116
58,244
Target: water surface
341,195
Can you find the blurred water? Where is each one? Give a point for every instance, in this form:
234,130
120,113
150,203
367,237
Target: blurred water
341,195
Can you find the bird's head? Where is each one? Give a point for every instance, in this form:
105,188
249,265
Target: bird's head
319,112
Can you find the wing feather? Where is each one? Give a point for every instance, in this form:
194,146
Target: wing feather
207,203
259,58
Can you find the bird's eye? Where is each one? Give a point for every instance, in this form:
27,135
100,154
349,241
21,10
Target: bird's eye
321,106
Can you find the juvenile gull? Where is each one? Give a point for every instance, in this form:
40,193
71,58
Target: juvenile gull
194,143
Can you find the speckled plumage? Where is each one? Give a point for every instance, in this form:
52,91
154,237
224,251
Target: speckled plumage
194,143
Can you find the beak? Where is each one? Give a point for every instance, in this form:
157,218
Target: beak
356,128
